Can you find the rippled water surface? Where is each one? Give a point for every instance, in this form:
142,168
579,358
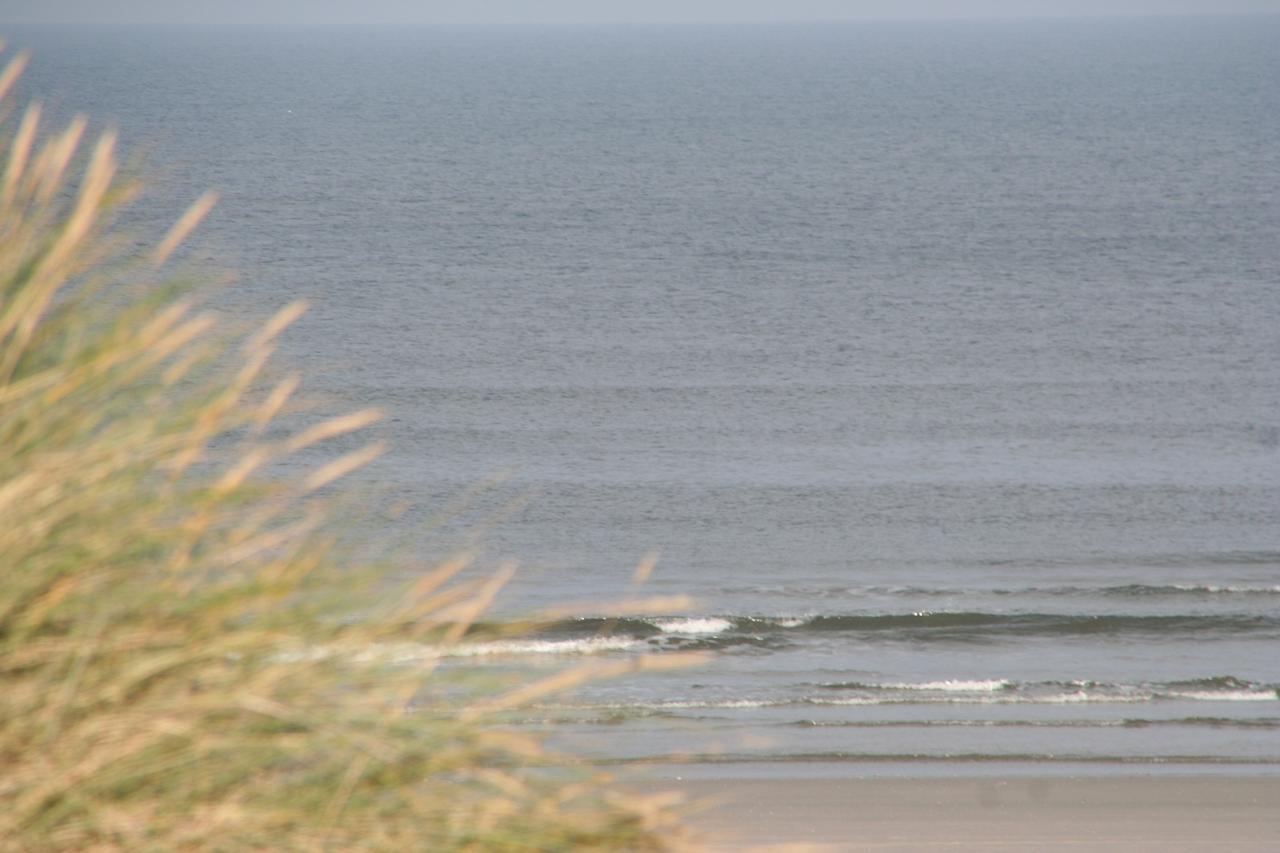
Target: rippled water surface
938,360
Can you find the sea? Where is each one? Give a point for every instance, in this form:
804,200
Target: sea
939,362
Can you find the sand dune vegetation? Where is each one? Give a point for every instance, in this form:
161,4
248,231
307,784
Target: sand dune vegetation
163,594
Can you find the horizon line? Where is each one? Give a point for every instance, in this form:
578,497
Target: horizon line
578,23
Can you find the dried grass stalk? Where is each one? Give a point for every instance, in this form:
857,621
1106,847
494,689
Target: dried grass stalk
161,598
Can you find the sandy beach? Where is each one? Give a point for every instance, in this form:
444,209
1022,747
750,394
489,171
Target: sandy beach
1166,813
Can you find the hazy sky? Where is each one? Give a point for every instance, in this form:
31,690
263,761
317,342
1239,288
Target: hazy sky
583,11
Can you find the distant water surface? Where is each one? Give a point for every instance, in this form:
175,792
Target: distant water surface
940,361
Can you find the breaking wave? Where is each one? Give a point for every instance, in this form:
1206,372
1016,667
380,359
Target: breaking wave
988,692
723,631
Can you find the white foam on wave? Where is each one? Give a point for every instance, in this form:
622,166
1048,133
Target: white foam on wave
694,625
990,685
1084,698
1212,588
680,705
1226,695
1079,697
981,699
582,645
405,653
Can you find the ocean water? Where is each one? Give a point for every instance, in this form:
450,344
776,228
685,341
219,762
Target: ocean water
939,361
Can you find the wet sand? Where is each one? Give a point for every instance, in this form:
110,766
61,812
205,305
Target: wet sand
1148,813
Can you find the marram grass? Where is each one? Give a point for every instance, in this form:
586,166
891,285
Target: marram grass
162,598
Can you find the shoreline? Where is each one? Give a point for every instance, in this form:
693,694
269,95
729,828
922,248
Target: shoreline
1013,811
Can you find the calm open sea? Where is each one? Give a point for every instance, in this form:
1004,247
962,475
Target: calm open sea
941,361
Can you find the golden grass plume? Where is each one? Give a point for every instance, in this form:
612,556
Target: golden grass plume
162,598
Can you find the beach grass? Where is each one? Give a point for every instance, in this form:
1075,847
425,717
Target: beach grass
187,660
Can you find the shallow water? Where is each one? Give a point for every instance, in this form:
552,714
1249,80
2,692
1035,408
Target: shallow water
938,360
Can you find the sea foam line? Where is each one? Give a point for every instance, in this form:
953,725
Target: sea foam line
694,625
403,653
1225,695
985,695
990,685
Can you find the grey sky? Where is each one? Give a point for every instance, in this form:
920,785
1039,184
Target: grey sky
584,11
